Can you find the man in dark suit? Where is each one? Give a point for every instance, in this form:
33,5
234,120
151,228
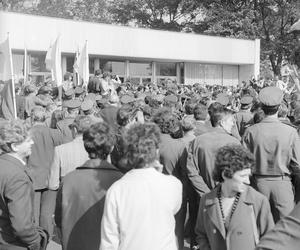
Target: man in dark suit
39,162
16,191
80,200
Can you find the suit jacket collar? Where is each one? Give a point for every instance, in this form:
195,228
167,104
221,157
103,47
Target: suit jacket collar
97,164
17,163
213,209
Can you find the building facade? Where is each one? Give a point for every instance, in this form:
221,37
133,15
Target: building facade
143,55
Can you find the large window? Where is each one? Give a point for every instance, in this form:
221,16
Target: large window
166,69
140,69
37,63
115,67
18,65
70,63
91,65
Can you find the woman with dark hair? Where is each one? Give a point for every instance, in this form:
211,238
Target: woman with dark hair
81,196
18,230
233,215
139,209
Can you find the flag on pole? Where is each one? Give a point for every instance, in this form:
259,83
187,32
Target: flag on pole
25,66
83,65
75,70
53,62
8,103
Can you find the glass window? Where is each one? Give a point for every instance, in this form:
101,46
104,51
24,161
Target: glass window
37,63
91,65
166,69
115,67
70,63
18,64
140,69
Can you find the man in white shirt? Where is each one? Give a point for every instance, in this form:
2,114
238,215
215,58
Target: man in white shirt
140,207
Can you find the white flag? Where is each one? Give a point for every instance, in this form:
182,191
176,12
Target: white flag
53,61
8,104
83,64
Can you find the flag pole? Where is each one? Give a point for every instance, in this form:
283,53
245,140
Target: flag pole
25,65
12,78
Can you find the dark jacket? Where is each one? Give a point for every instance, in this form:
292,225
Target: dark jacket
16,206
80,204
210,230
285,235
201,158
42,152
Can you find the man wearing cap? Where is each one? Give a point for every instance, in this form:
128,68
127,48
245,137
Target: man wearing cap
63,125
244,117
109,111
87,107
31,100
79,93
277,150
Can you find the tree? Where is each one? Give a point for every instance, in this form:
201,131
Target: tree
269,20
157,14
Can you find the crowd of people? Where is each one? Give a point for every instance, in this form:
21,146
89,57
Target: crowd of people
123,166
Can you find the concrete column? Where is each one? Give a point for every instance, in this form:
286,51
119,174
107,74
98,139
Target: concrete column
178,73
127,73
64,64
96,63
257,58
153,78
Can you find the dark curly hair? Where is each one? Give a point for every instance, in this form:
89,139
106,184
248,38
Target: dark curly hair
230,159
98,140
142,142
166,121
11,132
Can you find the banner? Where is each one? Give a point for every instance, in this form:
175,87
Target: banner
8,98
53,62
82,65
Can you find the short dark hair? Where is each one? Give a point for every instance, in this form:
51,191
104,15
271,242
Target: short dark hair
190,107
125,114
98,140
200,112
81,123
230,159
218,113
142,142
166,121
270,110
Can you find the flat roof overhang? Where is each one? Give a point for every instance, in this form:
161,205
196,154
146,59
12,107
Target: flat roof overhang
36,33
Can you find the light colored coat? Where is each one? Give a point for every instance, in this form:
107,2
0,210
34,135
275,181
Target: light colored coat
210,230
67,157
139,212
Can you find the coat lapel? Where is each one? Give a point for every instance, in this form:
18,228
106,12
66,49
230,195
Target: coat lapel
243,210
214,212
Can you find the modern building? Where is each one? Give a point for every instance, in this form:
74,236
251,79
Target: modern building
144,55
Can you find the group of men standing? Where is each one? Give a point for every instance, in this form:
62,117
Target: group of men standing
71,170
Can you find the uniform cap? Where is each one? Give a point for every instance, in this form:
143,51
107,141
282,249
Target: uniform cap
90,96
270,96
69,92
171,98
126,99
78,90
72,104
45,90
87,105
223,99
247,99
